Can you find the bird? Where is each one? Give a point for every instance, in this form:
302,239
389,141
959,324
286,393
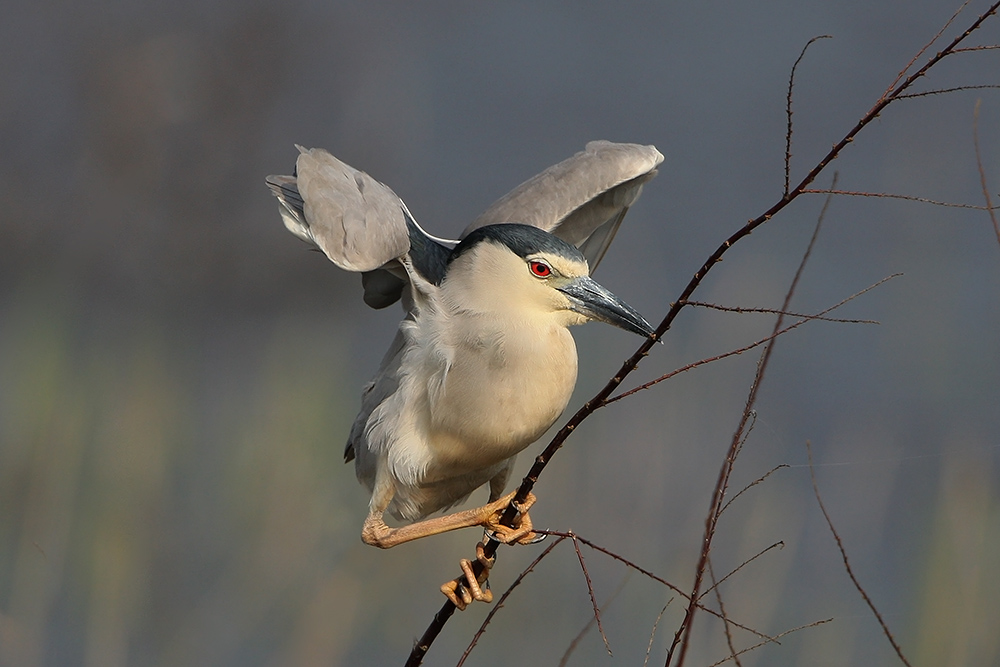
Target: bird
483,362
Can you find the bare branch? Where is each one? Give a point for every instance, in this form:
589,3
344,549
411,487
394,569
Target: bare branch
503,598
590,623
847,563
753,484
590,590
775,311
886,195
775,334
722,610
683,634
982,172
945,91
926,46
984,47
652,634
447,610
759,644
788,109
654,577
777,545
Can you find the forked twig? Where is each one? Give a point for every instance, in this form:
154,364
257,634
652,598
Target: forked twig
590,590
788,110
503,598
778,636
683,634
756,343
722,610
926,46
847,563
753,484
656,578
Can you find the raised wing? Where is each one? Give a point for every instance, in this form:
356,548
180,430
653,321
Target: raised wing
358,222
583,199
363,226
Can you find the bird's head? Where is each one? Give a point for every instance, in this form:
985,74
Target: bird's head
521,271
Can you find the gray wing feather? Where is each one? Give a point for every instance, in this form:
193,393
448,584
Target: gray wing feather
583,199
355,220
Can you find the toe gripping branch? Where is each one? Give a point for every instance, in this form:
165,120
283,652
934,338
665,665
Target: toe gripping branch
500,528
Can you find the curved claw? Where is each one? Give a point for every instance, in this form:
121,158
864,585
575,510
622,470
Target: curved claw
522,532
463,590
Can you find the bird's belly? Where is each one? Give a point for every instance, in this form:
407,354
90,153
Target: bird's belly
498,399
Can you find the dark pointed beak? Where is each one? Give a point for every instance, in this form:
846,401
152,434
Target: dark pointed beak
596,303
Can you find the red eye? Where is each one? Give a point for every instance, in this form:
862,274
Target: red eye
540,269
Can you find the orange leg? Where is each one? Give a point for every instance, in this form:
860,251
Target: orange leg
376,533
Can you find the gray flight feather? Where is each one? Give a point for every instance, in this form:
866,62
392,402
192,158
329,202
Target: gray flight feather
583,199
363,226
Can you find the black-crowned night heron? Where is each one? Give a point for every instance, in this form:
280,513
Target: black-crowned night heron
483,363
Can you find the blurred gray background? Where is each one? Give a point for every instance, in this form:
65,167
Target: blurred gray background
178,373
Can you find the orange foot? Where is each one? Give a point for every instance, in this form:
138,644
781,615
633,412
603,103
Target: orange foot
463,590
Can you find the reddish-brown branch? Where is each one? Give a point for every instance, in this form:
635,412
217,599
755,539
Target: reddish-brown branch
886,195
652,633
956,89
757,343
590,590
847,562
926,46
503,598
683,635
722,610
788,110
752,484
590,623
447,610
759,644
982,173
776,545
654,577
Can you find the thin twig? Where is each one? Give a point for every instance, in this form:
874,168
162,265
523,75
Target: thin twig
590,622
982,171
788,109
654,577
503,598
945,91
926,46
722,610
775,311
753,484
759,644
887,195
683,634
780,544
983,47
448,609
847,563
652,634
590,590
751,346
